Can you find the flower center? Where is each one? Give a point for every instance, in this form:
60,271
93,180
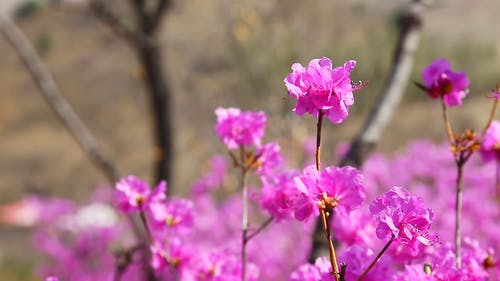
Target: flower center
327,203
441,87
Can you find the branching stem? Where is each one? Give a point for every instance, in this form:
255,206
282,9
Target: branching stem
376,259
331,248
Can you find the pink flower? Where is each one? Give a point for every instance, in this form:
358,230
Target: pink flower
133,194
269,159
358,227
495,94
240,128
174,253
490,147
221,266
334,188
358,258
402,216
279,195
321,270
213,179
319,86
51,278
174,214
442,82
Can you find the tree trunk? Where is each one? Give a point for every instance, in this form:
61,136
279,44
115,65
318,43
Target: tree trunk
159,98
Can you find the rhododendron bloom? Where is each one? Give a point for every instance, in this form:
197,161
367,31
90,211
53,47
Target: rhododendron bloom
402,216
319,86
133,194
357,227
495,94
358,258
240,128
321,270
174,214
279,195
269,159
442,82
173,253
334,188
490,147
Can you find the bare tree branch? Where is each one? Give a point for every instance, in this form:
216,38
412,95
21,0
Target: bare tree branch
144,42
50,91
410,24
158,14
133,37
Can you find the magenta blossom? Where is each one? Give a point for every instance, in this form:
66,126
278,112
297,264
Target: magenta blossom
321,270
269,159
402,216
490,147
173,253
495,94
442,82
334,188
176,214
319,86
240,128
51,278
133,194
279,195
358,258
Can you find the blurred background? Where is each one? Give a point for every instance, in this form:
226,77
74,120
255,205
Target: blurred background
215,53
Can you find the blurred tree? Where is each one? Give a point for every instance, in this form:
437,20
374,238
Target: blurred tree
142,36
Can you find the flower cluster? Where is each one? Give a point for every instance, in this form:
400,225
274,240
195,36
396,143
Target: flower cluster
237,128
401,216
393,237
333,188
321,87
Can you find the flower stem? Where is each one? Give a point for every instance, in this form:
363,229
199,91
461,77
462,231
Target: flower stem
318,139
327,231
261,227
492,115
497,182
244,214
146,226
458,215
376,259
324,213
449,131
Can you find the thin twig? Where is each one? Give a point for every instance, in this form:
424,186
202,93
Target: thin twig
144,221
331,248
261,227
497,182
410,26
131,36
458,215
318,140
376,259
159,13
50,92
324,213
447,124
244,212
